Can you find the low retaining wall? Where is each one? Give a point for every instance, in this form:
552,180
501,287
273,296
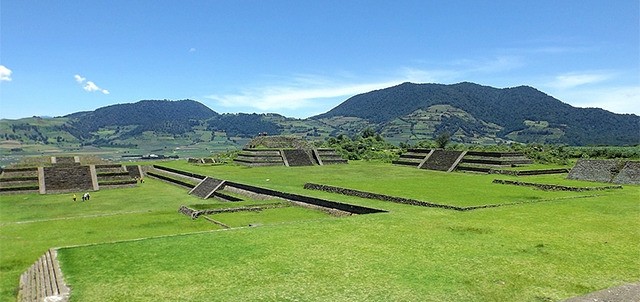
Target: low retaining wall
368,195
196,213
549,187
171,180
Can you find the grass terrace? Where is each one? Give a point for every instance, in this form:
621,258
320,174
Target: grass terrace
551,246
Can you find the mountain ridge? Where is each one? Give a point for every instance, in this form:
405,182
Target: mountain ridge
405,113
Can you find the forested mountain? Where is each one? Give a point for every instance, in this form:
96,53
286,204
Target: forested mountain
175,117
521,113
407,113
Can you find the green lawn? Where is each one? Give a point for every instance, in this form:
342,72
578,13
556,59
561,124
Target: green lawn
564,244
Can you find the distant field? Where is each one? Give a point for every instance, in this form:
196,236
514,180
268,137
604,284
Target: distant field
553,245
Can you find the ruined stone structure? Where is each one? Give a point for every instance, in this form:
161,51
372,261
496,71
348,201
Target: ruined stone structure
606,170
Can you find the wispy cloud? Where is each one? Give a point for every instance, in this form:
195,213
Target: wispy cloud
5,74
490,65
574,79
618,99
89,85
307,91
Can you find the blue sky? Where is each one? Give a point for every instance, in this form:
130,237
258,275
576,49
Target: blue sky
301,58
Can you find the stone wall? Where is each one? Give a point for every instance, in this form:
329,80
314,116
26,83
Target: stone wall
551,187
171,180
368,195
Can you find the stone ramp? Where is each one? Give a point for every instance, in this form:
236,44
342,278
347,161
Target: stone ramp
297,157
624,293
207,187
630,174
443,160
43,281
596,170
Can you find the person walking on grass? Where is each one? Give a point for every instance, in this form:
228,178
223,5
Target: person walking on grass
74,197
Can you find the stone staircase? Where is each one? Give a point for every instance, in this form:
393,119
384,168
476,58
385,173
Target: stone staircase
43,281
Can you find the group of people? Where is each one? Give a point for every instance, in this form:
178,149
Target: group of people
85,197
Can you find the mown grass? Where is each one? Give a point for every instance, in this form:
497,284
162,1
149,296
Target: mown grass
568,244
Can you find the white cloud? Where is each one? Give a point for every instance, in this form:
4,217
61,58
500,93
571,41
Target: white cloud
5,73
89,85
192,49
574,79
79,78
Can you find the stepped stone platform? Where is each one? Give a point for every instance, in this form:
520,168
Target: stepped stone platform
413,157
67,174
606,170
43,281
116,175
489,162
19,180
288,157
328,156
476,161
285,151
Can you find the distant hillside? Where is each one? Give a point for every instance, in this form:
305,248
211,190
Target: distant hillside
476,113
175,117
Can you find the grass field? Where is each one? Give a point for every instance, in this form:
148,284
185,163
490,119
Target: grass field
551,246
